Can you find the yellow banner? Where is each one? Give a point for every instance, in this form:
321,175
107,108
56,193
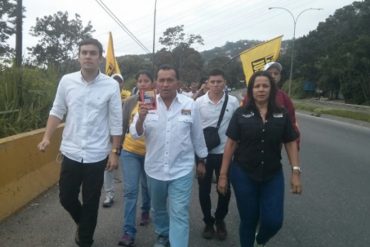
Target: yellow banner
111,65
255,58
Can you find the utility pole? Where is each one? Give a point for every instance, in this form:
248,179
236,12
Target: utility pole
18,39
295,20
154,26
18,50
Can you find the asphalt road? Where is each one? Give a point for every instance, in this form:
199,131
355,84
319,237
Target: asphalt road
334,209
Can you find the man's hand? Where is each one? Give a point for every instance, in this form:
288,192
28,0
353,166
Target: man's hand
112,162
201,169
143,110
43,145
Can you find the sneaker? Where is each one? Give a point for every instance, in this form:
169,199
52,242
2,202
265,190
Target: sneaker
208,231
77,237
108,202
221,230
258,245
127,241
144,219
162,242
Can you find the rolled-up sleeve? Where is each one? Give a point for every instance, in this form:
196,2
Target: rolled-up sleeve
59,108
133,131
115,113
197,135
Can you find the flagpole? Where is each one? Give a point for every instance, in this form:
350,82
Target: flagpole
295,20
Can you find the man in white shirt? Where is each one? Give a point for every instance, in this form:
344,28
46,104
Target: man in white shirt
92,105
210,106
172,134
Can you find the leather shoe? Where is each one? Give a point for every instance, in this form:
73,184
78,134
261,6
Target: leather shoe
221,231
208,231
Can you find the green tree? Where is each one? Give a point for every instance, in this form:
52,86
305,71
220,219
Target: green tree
7,24
336,55
59,37
232,68
179,53
175,36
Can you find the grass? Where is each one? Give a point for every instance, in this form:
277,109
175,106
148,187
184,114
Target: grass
319,110
36,93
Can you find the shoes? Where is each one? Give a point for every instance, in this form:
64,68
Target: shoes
208,231
221,231
77,238
162,242
144,219
108,202
258,245
127,241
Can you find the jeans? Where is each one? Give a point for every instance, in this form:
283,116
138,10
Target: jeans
261,202
133,172
174,222
109,184
74,174
205,183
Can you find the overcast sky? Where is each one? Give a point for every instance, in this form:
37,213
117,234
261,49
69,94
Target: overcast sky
217,21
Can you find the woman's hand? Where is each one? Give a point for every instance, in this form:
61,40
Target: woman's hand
295,183
222,185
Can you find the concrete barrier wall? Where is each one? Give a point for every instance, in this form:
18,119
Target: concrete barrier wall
25,172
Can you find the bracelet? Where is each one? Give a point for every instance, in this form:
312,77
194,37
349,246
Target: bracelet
296,169
222,176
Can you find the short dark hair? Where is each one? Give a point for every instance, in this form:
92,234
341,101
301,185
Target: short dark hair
168,67
91,41
216,72
272,106
144,72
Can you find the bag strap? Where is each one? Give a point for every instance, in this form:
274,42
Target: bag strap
222,110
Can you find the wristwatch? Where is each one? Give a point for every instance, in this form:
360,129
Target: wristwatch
117,151
296,169
203,160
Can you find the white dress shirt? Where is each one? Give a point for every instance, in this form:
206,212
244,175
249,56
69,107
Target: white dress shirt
210,112
94,113
172,136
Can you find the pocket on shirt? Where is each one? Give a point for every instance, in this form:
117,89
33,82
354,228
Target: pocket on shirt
151,117
185,120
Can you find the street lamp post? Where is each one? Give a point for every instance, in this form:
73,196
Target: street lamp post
154,25
295,20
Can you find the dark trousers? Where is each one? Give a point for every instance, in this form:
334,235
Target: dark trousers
213,165
90,177
261,202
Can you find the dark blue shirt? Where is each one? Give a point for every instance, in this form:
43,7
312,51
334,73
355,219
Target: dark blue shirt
259,143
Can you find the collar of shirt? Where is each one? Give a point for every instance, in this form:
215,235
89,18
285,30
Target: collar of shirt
177,98
218,102
97,78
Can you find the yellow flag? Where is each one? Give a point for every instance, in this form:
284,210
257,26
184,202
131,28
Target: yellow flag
255,58
111,65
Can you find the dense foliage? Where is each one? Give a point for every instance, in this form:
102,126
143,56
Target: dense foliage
37,92
7,24
58,36
337,54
